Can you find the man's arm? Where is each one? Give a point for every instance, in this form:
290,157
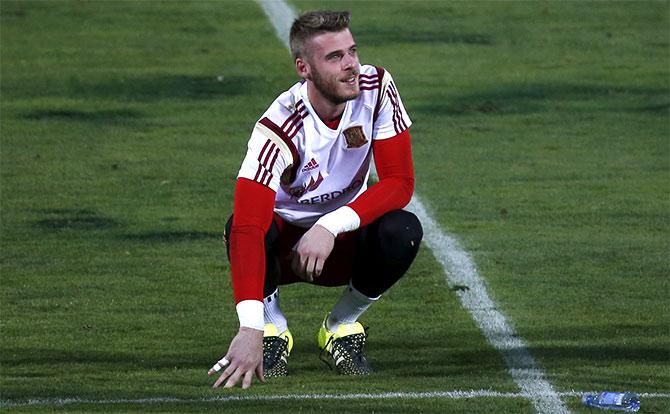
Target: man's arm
393,159
252,217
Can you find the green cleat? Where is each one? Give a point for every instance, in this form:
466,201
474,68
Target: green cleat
345,347
276,349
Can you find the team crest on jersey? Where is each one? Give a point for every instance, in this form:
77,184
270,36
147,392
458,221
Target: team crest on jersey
355,137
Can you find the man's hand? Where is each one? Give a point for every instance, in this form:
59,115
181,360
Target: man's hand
244,357
311,252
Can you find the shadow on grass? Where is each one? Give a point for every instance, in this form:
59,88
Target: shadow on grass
76,219
425,357
621,342
167,87
173,236
116,115
529,98
384,35
18,357
603,353
134,88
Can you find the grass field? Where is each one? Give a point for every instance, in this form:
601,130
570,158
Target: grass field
541,140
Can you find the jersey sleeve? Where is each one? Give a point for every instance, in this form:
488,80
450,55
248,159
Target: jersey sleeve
252,217
266,159
392,118
393,159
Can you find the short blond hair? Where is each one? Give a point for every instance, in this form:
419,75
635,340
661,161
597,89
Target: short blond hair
311,23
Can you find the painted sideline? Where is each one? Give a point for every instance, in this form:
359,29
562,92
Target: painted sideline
460,270
454,395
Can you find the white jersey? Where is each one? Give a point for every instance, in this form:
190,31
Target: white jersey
314,169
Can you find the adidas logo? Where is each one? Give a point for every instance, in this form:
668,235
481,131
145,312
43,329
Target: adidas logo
311,165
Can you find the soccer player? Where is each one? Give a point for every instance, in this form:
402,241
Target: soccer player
302,209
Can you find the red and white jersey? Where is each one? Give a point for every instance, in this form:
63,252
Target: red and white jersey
314,169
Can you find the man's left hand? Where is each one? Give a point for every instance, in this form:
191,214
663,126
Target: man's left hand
311,252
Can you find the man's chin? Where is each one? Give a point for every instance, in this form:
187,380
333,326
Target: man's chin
351,94
340,95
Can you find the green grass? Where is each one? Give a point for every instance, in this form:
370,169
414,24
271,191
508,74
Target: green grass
541,139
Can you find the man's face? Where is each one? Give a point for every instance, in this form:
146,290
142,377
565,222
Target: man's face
334,66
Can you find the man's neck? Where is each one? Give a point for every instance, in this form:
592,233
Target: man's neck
325,109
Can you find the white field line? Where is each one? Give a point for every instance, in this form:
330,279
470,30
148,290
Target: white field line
450,395
461,270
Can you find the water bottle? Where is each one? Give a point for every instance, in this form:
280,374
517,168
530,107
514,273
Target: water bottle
621,401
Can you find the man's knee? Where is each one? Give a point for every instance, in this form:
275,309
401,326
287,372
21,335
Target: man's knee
390,245
400,233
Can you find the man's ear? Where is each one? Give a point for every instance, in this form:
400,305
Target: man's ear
302,68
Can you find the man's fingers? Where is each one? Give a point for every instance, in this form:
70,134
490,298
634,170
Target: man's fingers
227,373
220,364
301,266
223,376
246,381
259,373
318,267
295,263
234,374
309,268
218,382
315,267
244,355
233,379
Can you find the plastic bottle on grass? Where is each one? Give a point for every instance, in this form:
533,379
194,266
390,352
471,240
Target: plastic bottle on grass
621,401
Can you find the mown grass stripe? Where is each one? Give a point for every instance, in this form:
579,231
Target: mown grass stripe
461,270
453,395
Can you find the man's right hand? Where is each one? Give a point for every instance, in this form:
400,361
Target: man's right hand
245,356
310,252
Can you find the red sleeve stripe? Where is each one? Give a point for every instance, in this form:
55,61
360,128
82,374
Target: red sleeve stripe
296,125
267,154
380,75
398,122
274,159
368,82
272,164
266,178
265,173
395,111
371,81
268,150
292,124
267,142
295,163
298,107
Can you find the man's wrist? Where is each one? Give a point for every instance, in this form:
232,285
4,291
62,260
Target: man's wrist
250,314
342,220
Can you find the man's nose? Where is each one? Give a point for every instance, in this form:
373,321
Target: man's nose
349,61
